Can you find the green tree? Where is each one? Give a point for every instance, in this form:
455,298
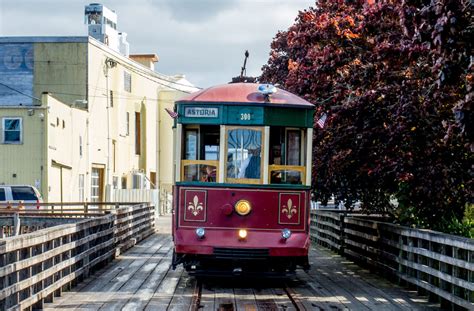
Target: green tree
389,74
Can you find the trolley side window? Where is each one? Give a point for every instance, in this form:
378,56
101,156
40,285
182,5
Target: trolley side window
200,161
287,156
244,155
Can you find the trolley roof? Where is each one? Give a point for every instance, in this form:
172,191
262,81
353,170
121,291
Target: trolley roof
246,94
244,104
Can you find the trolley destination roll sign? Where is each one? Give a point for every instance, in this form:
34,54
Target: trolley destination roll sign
201,112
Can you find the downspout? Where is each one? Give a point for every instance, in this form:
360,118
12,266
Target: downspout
158,158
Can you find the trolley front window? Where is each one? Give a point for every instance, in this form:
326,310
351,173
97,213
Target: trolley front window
244,163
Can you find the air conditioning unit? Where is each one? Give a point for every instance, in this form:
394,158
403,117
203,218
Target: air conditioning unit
138,180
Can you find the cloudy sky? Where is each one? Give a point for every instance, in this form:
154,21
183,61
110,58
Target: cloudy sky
203,39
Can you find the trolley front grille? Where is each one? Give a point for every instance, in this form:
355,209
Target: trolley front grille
241,253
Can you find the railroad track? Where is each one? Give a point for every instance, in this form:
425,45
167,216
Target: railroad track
279,296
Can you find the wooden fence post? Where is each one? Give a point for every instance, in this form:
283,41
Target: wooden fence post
16,224
342,227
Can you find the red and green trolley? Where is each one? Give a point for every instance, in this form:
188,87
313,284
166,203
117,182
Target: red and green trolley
242,180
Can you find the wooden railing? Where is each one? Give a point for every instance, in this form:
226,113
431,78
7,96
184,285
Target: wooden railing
133,224
37,266
437,264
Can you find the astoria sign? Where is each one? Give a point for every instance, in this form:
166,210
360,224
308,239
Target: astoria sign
201,112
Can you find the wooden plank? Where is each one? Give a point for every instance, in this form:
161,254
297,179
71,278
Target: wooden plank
311,298
21,285
42,236
142,277
366,236
436,273
22,264
330,274
75,297
163,295
93,295
244,299
56,285
429,235
446,295
380,293
183,296
361,246
329,242
224,296
264,299
432,255
361,222
335,235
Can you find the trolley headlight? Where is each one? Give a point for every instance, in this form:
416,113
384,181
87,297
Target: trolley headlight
285,233
200,232
242,234
243,207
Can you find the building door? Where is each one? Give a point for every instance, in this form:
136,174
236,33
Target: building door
97,184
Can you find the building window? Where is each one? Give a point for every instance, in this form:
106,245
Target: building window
12,130
111,98
80,146
64,124
137,133
127,122
127,82
81,188
124,182
115,182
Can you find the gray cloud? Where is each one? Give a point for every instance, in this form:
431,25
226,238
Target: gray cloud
205,40
192,11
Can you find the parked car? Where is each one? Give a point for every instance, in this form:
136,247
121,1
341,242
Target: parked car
16,194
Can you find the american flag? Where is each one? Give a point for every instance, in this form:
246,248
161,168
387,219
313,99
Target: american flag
172,113
322,120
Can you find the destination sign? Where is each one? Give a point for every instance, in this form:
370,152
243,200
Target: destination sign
201,112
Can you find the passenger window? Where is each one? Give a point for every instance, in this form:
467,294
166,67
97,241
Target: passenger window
2,195
286,161
23,194
201,154
244,155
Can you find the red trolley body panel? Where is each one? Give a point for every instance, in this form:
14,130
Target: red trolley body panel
212,208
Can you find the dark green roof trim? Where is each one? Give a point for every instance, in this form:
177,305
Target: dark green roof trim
271,115
252,104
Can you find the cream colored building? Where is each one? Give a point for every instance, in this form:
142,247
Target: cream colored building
79,118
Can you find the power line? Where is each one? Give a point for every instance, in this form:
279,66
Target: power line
20,92
131,96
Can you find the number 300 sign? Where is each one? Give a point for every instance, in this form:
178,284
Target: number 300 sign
245,116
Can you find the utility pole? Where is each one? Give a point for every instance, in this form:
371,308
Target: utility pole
109,63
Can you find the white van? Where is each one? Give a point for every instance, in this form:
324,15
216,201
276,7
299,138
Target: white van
15,194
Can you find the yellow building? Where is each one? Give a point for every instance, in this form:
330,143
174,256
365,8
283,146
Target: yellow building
79,118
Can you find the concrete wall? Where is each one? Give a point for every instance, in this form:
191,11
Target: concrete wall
66,128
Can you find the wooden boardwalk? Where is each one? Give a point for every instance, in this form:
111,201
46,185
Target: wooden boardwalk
141,279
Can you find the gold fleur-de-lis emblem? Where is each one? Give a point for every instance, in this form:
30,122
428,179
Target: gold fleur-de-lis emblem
195,206
289,209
